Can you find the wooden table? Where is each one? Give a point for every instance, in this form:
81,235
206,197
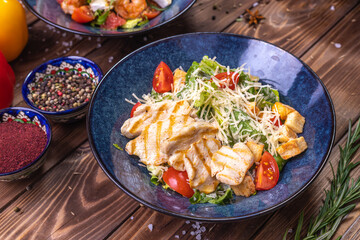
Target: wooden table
71,197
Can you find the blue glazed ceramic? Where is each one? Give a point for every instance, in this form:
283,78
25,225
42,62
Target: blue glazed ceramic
51,13
298,85
56,66
26,115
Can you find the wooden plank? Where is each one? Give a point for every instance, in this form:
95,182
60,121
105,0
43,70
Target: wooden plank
309,202
274,8
353,232
72,201
294,25
165,227
335,66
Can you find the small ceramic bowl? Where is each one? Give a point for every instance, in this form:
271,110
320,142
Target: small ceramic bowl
26,116
61,66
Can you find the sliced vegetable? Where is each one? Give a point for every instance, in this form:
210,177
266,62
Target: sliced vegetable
267,173
113,21
163,78
131,23
178,181
228,80
134,109
83,14
150,12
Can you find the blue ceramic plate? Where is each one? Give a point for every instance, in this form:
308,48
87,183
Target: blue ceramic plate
51,12
298,85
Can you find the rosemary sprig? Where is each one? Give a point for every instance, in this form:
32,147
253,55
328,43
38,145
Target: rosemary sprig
338,201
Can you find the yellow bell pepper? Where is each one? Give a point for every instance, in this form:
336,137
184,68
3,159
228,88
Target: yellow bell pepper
13,29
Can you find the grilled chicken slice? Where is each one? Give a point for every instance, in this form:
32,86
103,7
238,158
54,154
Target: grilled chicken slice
148,114
197,162
191,133
230,165
147,146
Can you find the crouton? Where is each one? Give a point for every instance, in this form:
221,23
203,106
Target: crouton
252,109
256,149
295,122
179,79
286,134
246,188
282,109
292,148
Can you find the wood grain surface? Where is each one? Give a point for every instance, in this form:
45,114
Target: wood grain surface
71,198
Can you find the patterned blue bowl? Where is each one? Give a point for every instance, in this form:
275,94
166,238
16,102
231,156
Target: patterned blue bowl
51,13
56,66
25,116
298,85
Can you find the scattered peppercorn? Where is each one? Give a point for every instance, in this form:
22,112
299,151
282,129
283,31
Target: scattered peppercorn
61,92
213,18
17,209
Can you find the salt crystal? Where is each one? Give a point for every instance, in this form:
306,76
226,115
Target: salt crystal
64,34
187,222
150,226
337,45
132,217
43,59
89,38
46,50
290,230
77,36
145,39
65,44
77,52
193,225
332,8
98,39
98,45
57,42
192,233
255,4
177,236
64,51
198,237
197,232
18,85
203,229
183,232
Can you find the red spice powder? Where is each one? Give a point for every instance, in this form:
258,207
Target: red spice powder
20,144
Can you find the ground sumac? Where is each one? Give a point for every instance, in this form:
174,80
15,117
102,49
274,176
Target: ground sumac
20,144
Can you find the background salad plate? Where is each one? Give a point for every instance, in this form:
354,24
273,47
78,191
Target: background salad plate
298,86
51,13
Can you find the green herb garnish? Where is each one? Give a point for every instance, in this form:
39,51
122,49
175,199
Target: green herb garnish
118,147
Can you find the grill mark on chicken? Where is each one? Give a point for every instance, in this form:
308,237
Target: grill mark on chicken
202,157
158,138
146,135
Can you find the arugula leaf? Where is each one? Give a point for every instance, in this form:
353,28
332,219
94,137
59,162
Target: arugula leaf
154,179
220,199
101,17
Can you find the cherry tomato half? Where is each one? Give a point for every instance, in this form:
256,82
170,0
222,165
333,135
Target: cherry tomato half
267,174
83,14
178,181
150,12
134,109
277,123
230,79
163,78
